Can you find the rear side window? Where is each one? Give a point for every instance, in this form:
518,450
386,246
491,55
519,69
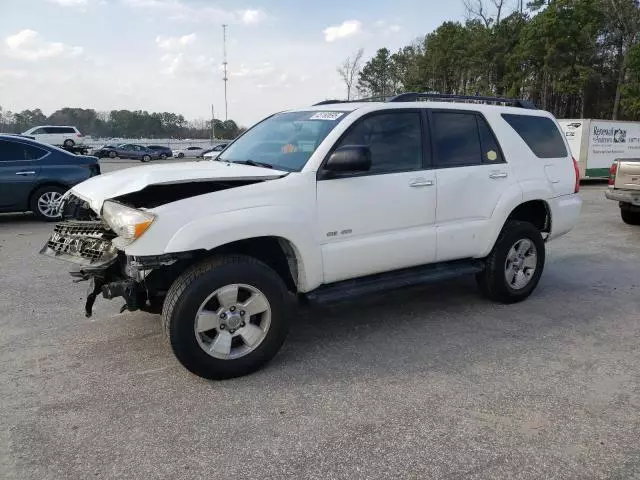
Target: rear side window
13,151
540,133
491,152
456,139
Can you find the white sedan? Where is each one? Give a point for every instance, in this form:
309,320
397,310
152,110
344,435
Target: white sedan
215,151
189,152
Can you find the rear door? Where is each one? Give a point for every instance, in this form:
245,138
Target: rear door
19,170
471,174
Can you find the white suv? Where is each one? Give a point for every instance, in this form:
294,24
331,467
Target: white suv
61,136
324,203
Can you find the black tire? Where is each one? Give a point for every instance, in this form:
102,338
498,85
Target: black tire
35,200
189,291
68,143
112,154
493,280
163,156
629,217
146,158
181,155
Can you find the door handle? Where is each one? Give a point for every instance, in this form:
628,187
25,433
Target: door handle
421,182
498,175
28,172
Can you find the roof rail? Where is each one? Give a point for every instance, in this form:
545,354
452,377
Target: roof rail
444,97
384,98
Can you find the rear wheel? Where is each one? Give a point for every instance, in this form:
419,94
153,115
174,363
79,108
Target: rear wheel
146,158
163,156
514,266
181,155
69,143
112,154
629,217
45,203
226,317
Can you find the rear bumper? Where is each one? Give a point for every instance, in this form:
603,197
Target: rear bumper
565,213
631,197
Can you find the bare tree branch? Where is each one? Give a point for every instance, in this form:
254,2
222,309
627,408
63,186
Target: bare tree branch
476,9
349,70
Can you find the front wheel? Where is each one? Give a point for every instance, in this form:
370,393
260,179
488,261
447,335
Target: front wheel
514,266
146,158
112,154
163,156
181,155
226,317
629,217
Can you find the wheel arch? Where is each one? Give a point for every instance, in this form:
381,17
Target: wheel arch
277,252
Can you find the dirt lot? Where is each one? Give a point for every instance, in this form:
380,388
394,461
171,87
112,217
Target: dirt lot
428,383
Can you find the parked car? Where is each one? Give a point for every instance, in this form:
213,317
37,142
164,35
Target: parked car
213,153
128,150
624,188
61,136
388,195
165,152
189,152
34,176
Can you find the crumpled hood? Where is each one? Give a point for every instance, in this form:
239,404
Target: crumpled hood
114,184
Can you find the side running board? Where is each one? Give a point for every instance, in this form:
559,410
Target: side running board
381,282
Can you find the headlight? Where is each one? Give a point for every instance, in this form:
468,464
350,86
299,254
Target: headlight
127,223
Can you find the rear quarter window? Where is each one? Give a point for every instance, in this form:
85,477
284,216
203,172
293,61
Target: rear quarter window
539,133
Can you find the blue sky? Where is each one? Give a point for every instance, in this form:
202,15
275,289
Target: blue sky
166,55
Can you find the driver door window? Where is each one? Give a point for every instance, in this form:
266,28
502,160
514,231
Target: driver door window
395,141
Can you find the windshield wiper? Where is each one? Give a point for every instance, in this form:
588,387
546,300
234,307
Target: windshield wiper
253,163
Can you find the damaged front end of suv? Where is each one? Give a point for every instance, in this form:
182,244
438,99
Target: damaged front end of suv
96,243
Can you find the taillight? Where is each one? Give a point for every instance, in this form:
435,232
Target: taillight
613,170
576,189
79,135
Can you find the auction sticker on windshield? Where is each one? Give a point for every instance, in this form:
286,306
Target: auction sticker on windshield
326,116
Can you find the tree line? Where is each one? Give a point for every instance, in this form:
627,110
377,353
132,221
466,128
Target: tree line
119,123
575,58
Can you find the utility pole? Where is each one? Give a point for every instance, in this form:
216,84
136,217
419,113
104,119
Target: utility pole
213,125
224,65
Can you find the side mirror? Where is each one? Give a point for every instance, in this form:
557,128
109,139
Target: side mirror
349,159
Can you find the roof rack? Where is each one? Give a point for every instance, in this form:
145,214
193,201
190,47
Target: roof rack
443,97
385,98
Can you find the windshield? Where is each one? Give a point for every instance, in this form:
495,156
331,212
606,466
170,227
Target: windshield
284,141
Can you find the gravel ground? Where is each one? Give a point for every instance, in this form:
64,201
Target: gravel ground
433,382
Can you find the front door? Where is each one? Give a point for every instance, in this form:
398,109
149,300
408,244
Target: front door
471,174
383,219
19,171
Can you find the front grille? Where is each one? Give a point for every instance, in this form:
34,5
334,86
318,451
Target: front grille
86,242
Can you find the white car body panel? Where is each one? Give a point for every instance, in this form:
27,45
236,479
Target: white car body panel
374,223
114,184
